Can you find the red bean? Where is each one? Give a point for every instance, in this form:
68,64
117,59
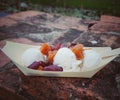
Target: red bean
52,68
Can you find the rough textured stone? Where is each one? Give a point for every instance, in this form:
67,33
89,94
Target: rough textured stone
106,24
34,27
110,19
103,39
4,59
14,18
105,27
75,88
68,36
38,25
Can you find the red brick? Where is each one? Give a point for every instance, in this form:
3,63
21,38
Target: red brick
14,18
110,19
3,59
106,24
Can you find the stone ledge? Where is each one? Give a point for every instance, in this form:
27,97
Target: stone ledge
110,19
12,19
106,24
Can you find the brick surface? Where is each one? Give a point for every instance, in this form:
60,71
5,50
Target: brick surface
110,19
106,24
14,18
4,59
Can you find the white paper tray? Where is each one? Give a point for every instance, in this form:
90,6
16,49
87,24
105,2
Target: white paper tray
15,50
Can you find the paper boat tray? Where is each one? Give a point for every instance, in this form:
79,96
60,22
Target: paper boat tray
15,50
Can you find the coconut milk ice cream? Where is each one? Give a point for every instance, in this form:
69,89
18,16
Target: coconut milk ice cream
74,59
67,59
91,58
31,55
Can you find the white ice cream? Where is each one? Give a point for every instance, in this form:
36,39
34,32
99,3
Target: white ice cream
91,58
64,58
67,59
31,55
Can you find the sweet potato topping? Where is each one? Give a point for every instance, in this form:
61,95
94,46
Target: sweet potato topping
51,55
50,52
40,68
78,51
45,48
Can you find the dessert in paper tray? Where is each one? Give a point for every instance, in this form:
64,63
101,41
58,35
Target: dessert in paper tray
59,61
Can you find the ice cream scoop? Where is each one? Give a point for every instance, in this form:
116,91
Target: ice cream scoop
67,59
31,55
91,58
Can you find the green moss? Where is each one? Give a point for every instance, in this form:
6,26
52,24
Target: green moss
105,6
111,7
